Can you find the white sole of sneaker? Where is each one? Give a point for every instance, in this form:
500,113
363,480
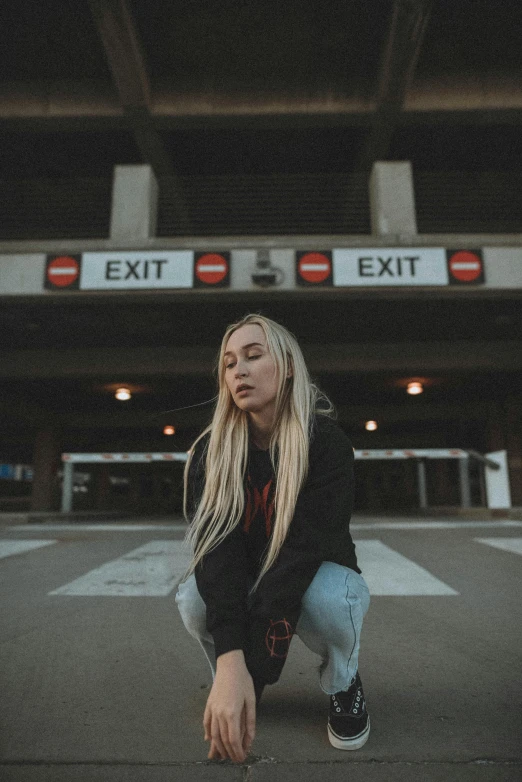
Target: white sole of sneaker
354,743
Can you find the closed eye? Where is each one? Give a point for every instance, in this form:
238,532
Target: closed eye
227,366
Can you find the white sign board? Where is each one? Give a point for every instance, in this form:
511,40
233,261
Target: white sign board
390,266
148,269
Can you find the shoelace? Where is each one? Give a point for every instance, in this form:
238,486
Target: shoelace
356,705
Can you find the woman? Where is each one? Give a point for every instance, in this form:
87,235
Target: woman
271,472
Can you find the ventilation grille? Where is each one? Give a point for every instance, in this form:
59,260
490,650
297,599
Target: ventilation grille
266,204
62,208
468,202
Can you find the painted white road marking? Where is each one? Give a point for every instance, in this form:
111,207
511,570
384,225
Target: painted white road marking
100,527
177,527
434,524
389,573
513,545
155,568
10,547
151,570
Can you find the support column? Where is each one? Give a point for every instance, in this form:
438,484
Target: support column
421,482
514,447
67,487
46,462
392,201
134,210
495,437
464,483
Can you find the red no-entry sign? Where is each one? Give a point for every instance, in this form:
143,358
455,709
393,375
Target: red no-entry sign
62,271
465,266
314,268
212,269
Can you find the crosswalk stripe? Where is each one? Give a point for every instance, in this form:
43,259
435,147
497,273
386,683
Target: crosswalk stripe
10,547
513,545
182,527
79,526
433,524
389,573
155,568
151,570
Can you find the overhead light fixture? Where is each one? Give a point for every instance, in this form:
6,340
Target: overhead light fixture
418,383
122,394
370,426
414,387
169,430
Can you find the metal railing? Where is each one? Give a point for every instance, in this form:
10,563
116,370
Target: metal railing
494,465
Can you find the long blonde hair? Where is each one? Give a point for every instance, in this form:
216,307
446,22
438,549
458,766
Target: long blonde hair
222,503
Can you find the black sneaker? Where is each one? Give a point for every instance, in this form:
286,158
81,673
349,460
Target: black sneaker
348,721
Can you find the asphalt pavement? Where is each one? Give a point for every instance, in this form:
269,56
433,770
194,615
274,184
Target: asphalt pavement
99,679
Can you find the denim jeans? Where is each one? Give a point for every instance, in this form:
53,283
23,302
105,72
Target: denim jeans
332,612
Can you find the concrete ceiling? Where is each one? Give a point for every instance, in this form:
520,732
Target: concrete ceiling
64,361
120,80
247,87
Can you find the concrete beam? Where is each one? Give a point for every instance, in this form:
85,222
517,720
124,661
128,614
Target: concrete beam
391,413
127,64
15,411
94,105
123,49
111,363
408,24
40,247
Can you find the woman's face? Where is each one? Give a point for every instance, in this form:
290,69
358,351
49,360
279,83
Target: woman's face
248,362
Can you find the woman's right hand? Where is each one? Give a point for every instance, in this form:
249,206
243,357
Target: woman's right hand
230,713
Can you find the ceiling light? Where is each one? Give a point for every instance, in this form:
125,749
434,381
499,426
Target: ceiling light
122,394
414,387
169,430
370,426
424,382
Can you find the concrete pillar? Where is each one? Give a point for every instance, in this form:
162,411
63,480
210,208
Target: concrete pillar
421,483
68,487
101,489
514,447
495,437
392,202
441,485
46,462
134,208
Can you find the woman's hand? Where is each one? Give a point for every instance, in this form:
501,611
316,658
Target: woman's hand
230,713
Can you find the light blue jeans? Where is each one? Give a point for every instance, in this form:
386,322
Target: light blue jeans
332,612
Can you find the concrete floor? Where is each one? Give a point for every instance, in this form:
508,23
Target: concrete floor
100,685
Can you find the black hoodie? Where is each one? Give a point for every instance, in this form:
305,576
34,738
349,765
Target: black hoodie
262,625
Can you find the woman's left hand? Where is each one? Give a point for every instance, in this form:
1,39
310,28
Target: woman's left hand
230,713
214,752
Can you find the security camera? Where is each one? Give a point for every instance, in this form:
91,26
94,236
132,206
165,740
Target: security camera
265,280
266,274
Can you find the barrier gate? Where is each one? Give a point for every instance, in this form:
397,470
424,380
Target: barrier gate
496,473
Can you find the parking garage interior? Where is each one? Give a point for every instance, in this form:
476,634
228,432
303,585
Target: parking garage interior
261,148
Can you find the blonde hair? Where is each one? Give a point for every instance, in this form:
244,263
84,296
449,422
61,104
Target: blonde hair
222,502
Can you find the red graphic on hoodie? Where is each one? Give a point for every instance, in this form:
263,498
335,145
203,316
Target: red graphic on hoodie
278,645
262,501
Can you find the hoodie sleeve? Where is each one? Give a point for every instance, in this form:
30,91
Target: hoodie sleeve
221,576
319,529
